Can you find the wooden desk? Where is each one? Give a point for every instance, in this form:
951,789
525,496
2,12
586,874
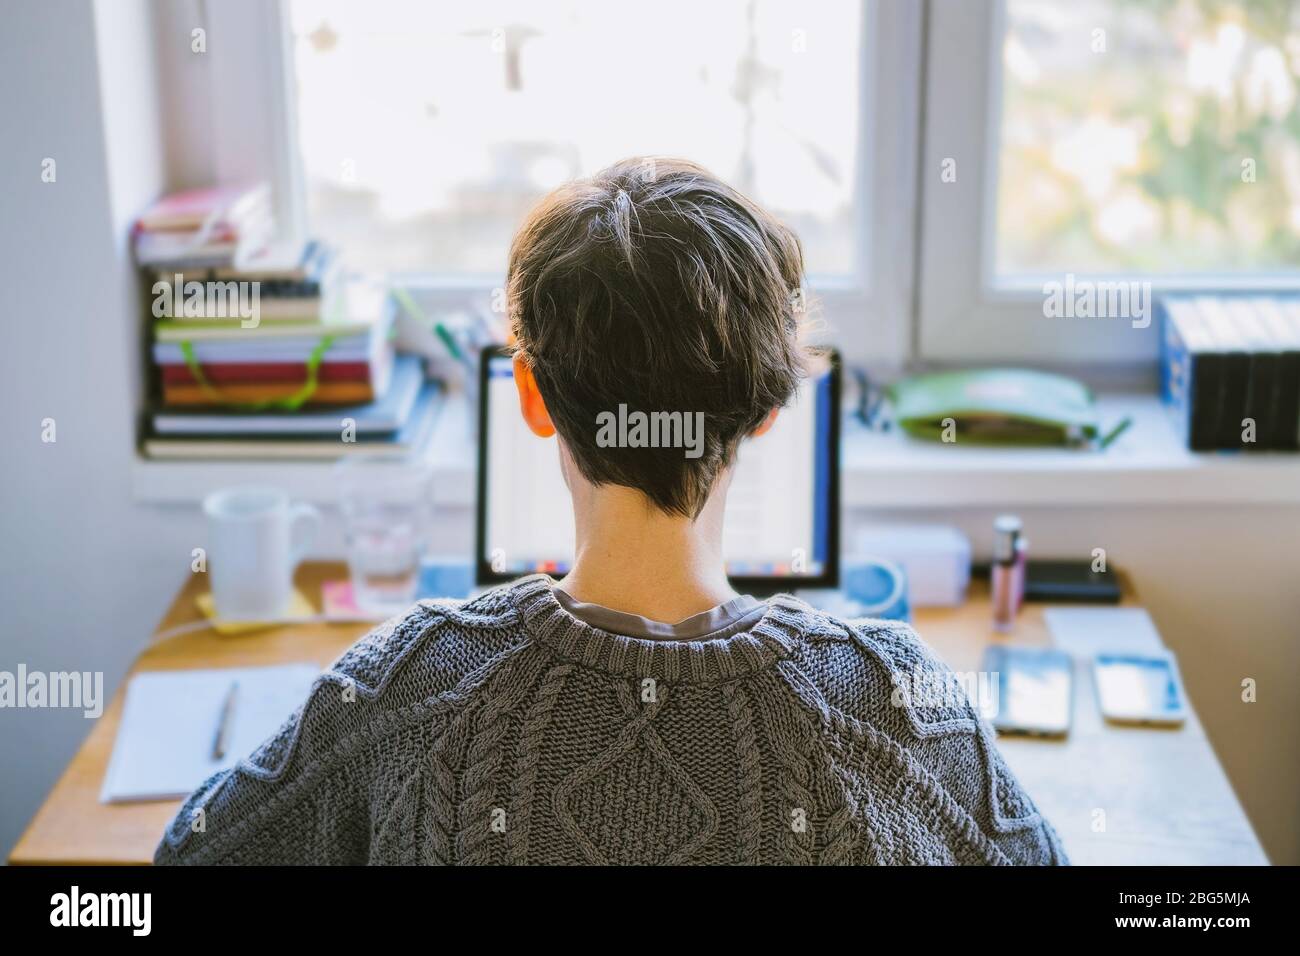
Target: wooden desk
1165,797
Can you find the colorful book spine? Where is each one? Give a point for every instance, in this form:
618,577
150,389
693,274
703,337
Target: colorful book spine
1230,370
1282,321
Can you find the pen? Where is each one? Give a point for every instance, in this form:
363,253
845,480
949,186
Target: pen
223,725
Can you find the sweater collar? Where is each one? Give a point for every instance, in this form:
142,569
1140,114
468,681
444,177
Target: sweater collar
772,638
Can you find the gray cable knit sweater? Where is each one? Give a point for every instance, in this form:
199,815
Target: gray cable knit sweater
505,730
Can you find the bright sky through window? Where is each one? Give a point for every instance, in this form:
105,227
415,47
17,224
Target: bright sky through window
428,130
1158,136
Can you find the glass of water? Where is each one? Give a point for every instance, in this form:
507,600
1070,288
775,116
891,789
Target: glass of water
386,505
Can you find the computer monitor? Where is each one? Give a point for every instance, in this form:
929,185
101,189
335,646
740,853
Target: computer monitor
781,528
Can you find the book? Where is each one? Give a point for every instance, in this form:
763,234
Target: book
354,348
295,308
1190,370
1087,631
1227,361
1282,319
232,330
271,308
412,436
182,251
191,209
348,309
164,745
387,414
214,363
1230,344
234,372
1263,359
207,228
286,262
325,393
292,281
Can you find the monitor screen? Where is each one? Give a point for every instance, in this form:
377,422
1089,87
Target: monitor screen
781,524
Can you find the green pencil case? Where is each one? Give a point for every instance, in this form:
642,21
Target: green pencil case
1004,406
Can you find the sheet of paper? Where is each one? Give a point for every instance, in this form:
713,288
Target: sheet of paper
170,718
1086,631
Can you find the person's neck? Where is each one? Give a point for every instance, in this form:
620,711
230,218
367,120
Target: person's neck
632,557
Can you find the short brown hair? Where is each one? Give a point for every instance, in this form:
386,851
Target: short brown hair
654,285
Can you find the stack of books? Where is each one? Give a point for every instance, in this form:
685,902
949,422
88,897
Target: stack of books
1230,370
216,226
400,421
265,351
216,332
288,389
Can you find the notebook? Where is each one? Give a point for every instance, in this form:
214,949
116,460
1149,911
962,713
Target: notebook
170,719
1229,360
353,348
1088,631
193,208
324,393
384,416
412,436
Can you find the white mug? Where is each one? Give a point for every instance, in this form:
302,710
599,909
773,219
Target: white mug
256,538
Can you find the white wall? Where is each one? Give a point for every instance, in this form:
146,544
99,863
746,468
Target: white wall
81,570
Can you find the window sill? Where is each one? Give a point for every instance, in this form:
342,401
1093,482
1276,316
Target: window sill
1146,466
450,449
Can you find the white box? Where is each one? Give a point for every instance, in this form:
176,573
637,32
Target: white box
935,557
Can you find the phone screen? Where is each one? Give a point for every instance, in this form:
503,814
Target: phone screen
1034,689
1137,688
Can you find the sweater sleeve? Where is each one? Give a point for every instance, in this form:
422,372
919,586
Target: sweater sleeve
305,795
281,805
960,750
1007,815
888,679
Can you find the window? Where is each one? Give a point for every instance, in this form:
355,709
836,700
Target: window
1152,141
941,159
427,131
1148,137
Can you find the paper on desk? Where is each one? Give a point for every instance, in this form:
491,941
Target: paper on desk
169,722
1087,631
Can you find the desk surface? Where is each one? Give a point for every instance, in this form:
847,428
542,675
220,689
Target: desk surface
1164,797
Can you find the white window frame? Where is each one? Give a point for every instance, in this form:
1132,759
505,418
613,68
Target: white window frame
867,313
964,313
253,119
922,289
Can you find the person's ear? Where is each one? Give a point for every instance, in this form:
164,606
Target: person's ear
766,424
531,405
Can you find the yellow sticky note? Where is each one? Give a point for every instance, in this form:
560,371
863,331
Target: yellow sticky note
299,607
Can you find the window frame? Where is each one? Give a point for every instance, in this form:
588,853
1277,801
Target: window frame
964,314
250,91
865,312
922,290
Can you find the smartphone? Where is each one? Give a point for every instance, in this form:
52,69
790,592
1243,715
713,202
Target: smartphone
1070,581
1140,689
1035,690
